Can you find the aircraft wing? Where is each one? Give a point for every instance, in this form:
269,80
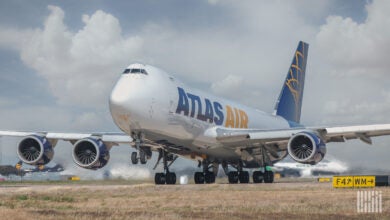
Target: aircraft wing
240,137
114,138
364,132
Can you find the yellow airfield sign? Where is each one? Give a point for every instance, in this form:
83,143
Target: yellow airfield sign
342,181
364,181
18,166
74,178
324,179
353,181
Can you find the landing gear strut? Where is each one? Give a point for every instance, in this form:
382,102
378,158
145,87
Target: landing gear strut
206,176
166,177
144,152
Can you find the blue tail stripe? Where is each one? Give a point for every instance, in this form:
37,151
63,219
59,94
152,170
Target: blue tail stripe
290,100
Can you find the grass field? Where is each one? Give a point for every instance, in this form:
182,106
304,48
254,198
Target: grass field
131,200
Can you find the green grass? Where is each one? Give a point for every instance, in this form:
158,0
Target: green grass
22,197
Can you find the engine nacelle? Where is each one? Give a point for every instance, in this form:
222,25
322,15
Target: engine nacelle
90,153
35,150
306,147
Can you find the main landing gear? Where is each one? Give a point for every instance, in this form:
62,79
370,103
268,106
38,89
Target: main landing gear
259,176
206,176
236,176
241,176
166,177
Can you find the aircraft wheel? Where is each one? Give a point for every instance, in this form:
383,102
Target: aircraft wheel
233,177
258,177
134,159
171,178
244,177
209,177
269,177
142,157
199,178
159,178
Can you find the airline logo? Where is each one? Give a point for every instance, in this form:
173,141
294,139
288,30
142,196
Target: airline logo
194,106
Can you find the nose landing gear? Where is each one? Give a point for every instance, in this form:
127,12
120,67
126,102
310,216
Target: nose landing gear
144,153
142,157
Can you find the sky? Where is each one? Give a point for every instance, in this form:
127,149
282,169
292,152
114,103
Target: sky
60,59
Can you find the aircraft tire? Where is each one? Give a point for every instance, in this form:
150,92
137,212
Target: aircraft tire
199,178
171,178
244,177
233,177
268,177
134,159
209,177
159,178
142,157
258,177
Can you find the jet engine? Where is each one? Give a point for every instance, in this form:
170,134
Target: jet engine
90,153
35,150
306,147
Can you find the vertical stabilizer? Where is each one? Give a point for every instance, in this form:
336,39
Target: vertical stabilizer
290,99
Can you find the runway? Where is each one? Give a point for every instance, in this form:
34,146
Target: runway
118,200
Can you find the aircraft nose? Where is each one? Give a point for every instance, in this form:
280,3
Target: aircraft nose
120,95
120,104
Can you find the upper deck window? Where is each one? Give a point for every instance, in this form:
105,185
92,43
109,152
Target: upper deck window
135,71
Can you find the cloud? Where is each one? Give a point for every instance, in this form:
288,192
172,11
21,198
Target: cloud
43,118
246,46
227,85
88,120
13,38
358,47
213,2
80,67
351,59
6,102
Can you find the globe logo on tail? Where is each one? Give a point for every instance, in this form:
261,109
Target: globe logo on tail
295,77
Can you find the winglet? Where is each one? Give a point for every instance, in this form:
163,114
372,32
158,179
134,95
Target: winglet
289,102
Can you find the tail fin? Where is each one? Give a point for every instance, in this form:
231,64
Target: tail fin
290,99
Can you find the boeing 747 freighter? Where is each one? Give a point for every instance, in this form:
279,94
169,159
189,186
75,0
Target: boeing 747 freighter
158,113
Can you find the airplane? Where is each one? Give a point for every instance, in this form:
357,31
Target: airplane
159,113
17,169
55,169
307,170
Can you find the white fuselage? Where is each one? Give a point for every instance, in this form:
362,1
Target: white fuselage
167,111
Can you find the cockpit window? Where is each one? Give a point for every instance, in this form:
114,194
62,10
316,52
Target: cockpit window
135,71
